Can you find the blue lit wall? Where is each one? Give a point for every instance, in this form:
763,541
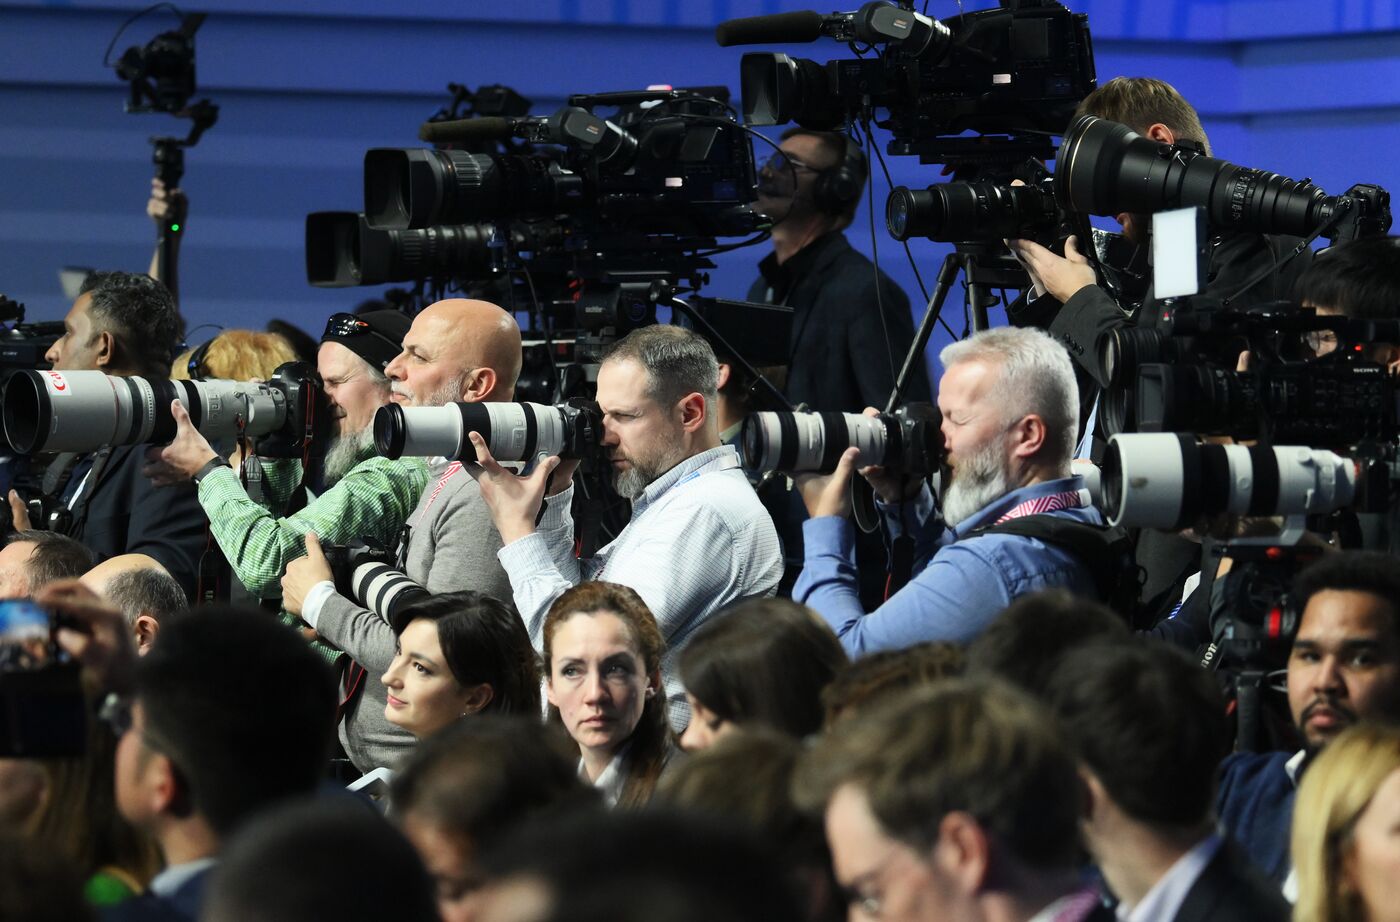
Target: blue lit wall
1303,87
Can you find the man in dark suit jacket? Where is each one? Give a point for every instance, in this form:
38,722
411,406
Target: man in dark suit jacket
851,325
121,324
1149,728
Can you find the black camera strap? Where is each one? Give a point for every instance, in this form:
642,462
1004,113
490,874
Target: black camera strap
1106,551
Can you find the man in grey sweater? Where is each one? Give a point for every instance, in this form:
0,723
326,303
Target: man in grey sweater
456,350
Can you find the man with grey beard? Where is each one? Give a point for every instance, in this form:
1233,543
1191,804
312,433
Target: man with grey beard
366,496
1010,410
698,539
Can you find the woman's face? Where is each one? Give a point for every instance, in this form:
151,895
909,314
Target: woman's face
1372,866
598,680
424,696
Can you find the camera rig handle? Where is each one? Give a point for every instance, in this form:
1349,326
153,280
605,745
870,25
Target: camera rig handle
168,155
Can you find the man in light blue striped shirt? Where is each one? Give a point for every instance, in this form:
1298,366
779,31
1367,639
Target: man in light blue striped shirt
698,539
1010,409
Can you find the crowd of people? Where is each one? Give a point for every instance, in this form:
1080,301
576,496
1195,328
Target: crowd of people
736,706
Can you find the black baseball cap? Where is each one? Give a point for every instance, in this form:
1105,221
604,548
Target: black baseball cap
375,336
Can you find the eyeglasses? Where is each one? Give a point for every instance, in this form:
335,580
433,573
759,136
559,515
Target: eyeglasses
116,714
348,326
782,160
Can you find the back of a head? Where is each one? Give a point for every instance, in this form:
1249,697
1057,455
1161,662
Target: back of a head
705,783
142,315
1149,723
243,708
1334,792
979,747
55,556
481,778
236,355
1141,102
484,642
644,865
147,592
880,676
1360,279
331,860
1025,643
763,662
1372,572
677,361
1035,377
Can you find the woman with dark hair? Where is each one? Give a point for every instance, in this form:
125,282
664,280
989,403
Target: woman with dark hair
761,663
602,660
456,654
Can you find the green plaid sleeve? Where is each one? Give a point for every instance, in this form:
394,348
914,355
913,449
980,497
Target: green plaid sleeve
280,476
372,501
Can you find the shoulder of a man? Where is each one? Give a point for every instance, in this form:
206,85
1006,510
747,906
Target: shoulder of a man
1243,774
1015,553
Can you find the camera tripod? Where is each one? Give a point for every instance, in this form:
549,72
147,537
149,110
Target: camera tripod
985,266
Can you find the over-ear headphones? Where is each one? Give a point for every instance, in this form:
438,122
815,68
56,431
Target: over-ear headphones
838,188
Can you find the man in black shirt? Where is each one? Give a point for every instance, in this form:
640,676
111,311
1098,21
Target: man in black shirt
851,325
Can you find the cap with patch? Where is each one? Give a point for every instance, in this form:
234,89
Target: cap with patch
375,336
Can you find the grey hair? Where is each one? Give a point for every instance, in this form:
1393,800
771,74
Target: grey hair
678,362
1036,377
147,591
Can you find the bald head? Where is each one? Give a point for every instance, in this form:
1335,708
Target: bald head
457,349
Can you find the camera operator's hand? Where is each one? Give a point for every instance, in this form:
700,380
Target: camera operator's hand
167,206
303,573
890,487
184,457
514,500
19,513
100,641
829,494
1061,276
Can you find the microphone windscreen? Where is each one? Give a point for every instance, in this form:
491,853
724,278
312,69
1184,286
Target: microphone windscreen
466,129
799,26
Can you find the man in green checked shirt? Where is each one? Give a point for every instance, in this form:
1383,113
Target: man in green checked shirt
367,496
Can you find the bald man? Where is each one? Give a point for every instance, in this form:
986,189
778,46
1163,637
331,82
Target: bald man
456,350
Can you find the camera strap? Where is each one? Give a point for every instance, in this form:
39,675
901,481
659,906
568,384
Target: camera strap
1107,552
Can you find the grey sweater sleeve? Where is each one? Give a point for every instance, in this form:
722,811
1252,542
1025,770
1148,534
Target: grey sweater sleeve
359,632
462,552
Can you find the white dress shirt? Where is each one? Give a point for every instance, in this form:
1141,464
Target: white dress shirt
698,540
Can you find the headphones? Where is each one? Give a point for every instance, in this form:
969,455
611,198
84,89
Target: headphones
197,369
838,188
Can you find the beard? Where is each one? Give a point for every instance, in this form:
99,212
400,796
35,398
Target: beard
978,479
345,452
640,473
451,392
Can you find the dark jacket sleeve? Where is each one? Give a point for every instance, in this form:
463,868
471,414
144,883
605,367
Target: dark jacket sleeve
127,514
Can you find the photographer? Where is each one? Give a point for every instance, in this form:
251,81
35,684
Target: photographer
366,497
1344,668
1010,412
120,324
698,538
456,350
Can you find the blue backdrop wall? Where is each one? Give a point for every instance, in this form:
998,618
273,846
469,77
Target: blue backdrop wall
1303,87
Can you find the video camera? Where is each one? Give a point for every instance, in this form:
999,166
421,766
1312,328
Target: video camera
1013,75
82,411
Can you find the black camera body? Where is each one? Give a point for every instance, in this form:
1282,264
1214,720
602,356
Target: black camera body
1018,70
369,575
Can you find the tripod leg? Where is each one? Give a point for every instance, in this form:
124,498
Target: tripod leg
946,274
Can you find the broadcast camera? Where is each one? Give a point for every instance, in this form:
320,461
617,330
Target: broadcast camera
82,411
1013,75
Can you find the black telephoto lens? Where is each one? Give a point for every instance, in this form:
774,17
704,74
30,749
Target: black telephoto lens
965,211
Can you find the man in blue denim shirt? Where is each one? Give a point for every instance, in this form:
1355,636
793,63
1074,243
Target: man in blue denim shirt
1010,410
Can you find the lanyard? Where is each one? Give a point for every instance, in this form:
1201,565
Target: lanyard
1069,499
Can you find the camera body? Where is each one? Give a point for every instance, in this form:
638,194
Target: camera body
369,574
